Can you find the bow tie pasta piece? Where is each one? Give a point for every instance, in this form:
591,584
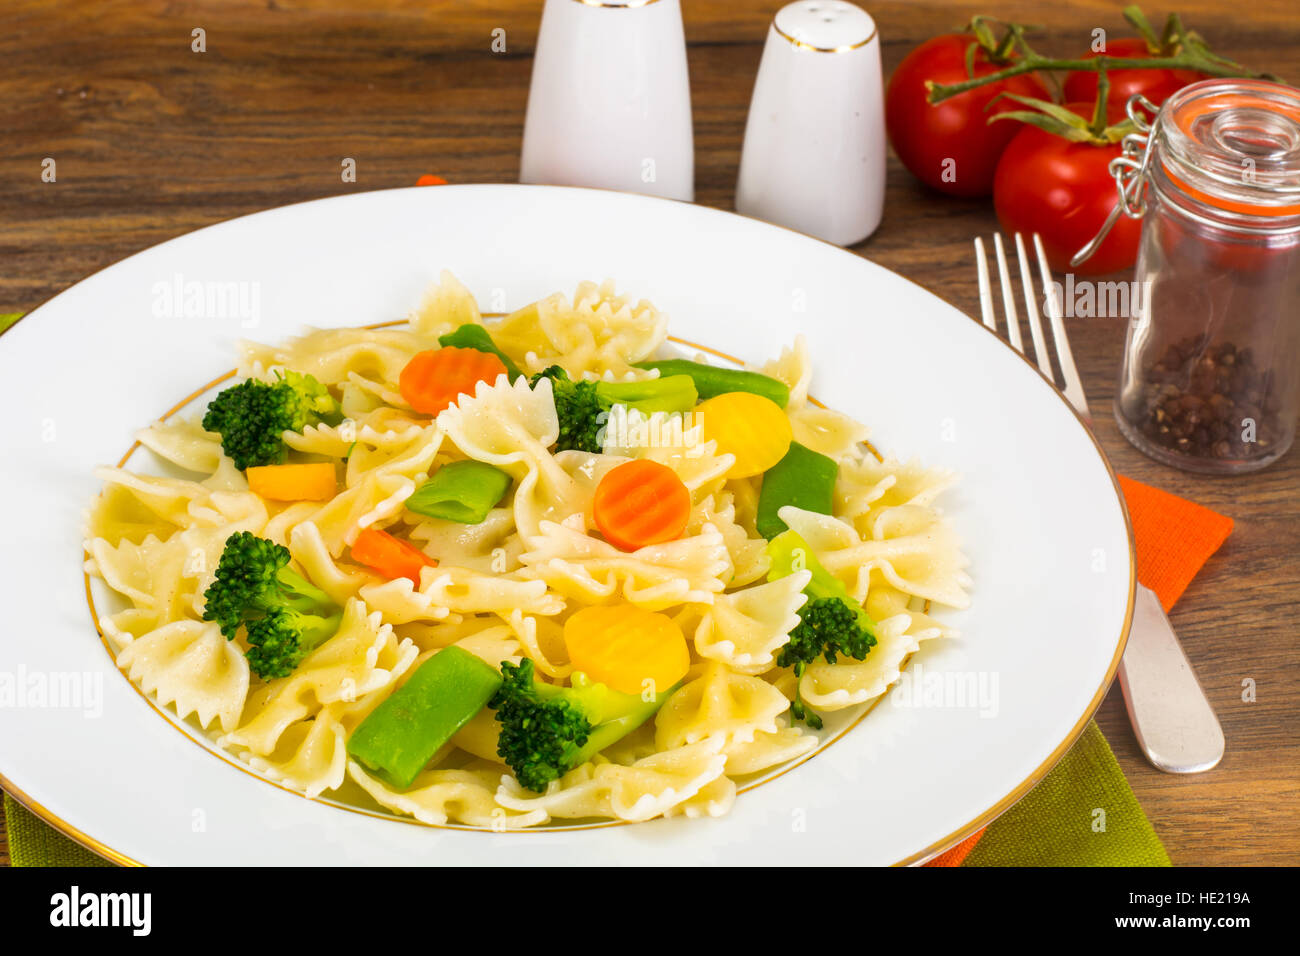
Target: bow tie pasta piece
719,703
311,755
513,427
646,789
375,494
748,554
400,603
331,356
504,424
448,590
491,546
378,393
884,601
190,665
411,458
913,548
184,443
387,430
124,626
279,528
658,576
441,796
362,657
827,431
542,640
445,307
596,332
133,507
768,749
714,799
794,368
867,487
745,629
150,575
469,592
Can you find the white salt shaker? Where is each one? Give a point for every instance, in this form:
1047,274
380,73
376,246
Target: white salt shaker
610,102
814,154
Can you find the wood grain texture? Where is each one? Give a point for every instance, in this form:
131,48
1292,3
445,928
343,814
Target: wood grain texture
152,141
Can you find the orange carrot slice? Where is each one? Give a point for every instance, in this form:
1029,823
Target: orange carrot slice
639,503
391,557
627,648
315,481
435,379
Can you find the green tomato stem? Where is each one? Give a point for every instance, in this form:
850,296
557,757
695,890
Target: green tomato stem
938,92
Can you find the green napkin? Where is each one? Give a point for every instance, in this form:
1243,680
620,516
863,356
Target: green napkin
1081,814
9,318
34,843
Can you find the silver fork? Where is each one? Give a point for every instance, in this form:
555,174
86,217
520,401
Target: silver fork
1171,716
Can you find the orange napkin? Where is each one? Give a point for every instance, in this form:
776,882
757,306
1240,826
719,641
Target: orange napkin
1174,538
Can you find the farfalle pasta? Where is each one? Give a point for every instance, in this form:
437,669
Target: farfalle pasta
522,584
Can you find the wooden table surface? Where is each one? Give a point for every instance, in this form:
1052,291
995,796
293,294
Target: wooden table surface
153,140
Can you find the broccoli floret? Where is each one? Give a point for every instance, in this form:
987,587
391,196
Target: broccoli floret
547,730
583,407
577,408
252,415
827,628
831,622
285,615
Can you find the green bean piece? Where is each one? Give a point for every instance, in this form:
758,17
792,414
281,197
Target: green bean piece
711,380
462,491
471,336
803,478
400,736
667,393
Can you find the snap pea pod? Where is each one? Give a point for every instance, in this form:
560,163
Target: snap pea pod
711,380
803,478
463,491
471,336
400,736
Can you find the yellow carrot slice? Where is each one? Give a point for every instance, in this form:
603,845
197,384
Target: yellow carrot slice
627,648
315,481
749,426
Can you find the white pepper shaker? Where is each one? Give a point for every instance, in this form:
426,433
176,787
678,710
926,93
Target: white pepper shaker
814,153
610,103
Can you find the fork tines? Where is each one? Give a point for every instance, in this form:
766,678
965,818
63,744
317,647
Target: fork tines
1072,387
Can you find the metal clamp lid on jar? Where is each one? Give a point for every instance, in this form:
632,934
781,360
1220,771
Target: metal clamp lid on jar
1217,134
1130,172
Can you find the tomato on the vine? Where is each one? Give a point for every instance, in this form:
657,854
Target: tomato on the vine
1063,190
952,146
1156,85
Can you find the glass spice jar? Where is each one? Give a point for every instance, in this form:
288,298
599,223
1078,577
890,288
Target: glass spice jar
1211,374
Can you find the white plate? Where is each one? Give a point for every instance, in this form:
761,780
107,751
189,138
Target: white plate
1037,507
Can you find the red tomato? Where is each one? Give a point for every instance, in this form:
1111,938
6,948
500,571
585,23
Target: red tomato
1064,191
1155,85
952,146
